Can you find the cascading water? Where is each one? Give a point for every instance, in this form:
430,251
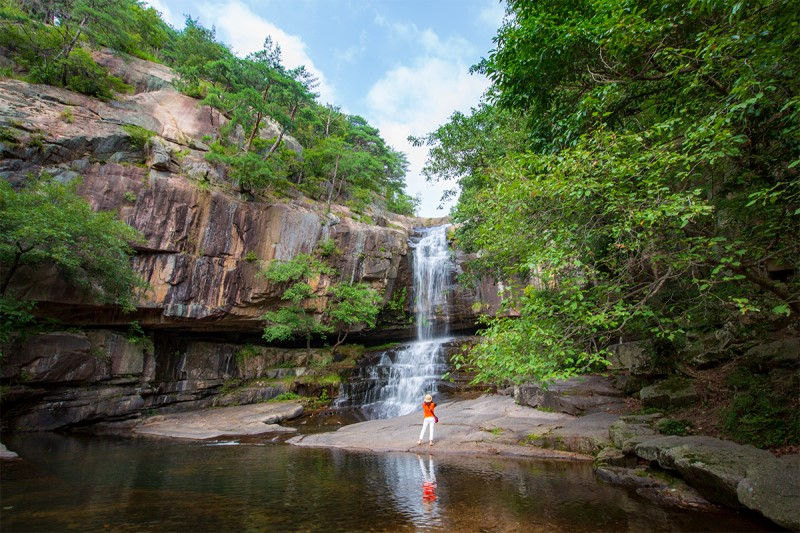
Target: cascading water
405,375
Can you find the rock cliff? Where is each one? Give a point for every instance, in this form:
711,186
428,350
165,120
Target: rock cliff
204,243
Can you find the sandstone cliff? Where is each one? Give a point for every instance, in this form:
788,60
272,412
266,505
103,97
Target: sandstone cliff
204,245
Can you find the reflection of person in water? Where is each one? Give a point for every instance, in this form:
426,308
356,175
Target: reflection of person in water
428,480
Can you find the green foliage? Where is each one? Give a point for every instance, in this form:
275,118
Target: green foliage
321,362
327,248
67,115
760,413
669,426
286,397
247,352
296,317
634,171
15,316
139,136
352,306
45,224
251,256
302,266
340,308
137,336
49,41
9,135
397,303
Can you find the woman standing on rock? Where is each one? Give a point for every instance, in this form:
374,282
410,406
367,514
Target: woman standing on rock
429,419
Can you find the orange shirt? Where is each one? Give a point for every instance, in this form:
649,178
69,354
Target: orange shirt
427,409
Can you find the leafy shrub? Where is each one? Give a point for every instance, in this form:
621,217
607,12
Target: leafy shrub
327,248
285,397
80,73
759,414
67,115
139,136
246,352
669,426
138,337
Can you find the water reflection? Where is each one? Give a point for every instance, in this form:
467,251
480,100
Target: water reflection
90,484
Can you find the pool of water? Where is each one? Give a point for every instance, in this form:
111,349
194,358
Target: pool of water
91,483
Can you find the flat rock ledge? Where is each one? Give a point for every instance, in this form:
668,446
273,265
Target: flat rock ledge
489,425
254,419
723,472
5,453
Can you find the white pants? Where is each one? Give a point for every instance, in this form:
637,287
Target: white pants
429,421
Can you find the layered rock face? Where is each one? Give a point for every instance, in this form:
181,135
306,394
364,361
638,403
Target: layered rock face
205,245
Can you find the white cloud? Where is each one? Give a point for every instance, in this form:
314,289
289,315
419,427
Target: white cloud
420,96
415,100
245,31
166,13
492,14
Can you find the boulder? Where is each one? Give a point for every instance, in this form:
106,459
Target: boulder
773,489
784,353
630,430
629,356
159,154
578,395
668,394
69,407
585,434
714,467
55,358
611,456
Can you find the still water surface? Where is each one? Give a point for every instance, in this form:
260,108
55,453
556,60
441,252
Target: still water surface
82,483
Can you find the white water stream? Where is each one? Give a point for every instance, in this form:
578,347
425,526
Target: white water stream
410,372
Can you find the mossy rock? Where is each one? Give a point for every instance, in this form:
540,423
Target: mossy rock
669,393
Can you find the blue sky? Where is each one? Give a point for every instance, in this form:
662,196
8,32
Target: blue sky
401,64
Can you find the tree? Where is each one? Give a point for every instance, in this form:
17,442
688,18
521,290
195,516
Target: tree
656,185
47,39
297,317
249,92
192,54
341,308
46,223
350,306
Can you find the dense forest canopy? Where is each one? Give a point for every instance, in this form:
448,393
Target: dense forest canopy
632,173
260,102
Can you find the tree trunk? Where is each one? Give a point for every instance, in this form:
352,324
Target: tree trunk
68,50
770,286
333,181
13,268
339,340
277,143
253,133
258,119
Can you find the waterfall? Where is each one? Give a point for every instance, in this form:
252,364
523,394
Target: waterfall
403,376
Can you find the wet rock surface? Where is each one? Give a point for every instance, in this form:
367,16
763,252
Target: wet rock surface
214,423
491,425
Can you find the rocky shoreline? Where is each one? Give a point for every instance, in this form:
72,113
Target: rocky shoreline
691,472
